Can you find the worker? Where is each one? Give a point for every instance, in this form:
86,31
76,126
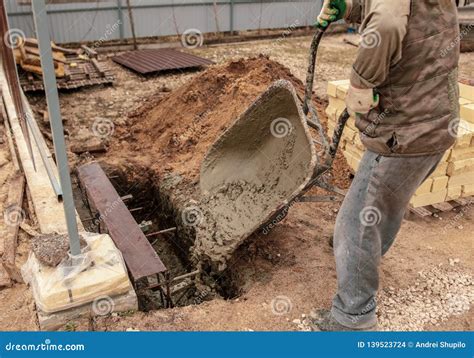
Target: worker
404,96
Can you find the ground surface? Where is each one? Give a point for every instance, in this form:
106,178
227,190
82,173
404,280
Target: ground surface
426,278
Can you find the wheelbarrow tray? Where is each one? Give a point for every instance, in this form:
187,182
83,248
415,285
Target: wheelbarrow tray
252,172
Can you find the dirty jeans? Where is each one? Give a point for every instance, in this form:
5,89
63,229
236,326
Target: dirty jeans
366,226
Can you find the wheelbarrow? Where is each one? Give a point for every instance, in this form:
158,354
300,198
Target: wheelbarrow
262,164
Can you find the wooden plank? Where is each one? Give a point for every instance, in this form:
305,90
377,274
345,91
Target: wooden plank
445,206
49,211
420,211
140,257
14,213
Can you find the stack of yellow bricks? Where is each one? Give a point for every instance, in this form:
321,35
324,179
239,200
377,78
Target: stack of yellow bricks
454,177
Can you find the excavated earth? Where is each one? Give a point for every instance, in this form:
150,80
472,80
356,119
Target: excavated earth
173,132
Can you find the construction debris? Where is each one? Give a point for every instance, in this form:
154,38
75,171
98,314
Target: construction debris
454,177
51,249
73,67
148,61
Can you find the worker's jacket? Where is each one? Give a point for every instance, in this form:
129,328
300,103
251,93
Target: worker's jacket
414,72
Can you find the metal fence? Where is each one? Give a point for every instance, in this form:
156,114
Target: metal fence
109,20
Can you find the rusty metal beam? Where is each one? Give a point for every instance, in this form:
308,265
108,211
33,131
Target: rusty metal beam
140,257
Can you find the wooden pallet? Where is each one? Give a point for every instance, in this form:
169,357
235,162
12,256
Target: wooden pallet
431,210
87,72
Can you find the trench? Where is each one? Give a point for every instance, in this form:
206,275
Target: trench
150,203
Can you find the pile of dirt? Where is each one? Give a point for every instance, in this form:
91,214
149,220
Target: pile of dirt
173,133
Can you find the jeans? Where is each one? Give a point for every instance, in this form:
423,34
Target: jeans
366,226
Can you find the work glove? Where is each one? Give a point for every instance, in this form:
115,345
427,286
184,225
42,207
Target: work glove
360,101
333,10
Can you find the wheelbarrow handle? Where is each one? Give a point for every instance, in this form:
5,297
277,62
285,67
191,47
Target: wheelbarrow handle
311,68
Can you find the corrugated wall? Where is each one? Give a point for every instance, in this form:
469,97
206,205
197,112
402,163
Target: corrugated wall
107,20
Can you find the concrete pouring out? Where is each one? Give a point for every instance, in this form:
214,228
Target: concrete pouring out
247,175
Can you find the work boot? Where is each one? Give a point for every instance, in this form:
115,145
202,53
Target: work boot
326,322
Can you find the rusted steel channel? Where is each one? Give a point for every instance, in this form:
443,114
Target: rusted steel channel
139,255
148,61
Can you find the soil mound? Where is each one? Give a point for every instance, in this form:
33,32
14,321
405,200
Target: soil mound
174,132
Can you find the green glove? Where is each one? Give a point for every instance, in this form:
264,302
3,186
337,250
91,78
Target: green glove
332,10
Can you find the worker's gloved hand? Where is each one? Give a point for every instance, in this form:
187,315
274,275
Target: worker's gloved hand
361,100
333,10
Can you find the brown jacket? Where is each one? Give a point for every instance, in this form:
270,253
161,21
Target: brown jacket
409,55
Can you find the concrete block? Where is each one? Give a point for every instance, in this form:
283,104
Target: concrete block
453,193
425,188
428,199
463,101
467,190
461,154
463,179
334,85
460,167
467,112
466,91
440,170
440,183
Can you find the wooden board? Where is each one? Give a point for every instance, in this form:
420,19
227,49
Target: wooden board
49,211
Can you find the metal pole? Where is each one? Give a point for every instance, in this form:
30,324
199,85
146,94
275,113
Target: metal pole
52,99
231,17
132,25
120,19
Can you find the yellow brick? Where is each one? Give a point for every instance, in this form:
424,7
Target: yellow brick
332,86
463,179
454,193
350,134
342,91
358,143
467,112
468,190
352,149
463,101
352,160
440,183
337,103
460,167
440,169
466,92
461,153
428,199
425,188
465,131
